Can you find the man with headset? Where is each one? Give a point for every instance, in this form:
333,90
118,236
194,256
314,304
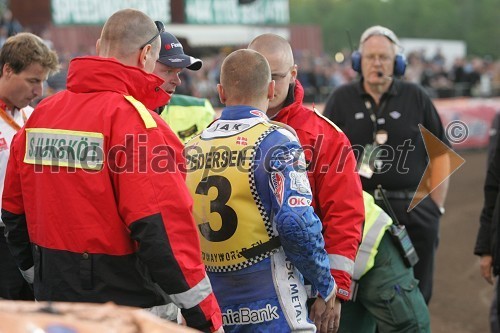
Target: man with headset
380,115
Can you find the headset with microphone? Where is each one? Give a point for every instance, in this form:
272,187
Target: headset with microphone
399,61
382,75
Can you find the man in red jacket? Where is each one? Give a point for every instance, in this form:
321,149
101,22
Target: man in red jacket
94,201
337,194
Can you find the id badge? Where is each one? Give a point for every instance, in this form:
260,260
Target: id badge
381,137
366,166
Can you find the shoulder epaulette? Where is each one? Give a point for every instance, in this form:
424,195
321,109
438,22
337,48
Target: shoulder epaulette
147,118
327,120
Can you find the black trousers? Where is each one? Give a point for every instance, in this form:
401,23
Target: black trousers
422,223
12,284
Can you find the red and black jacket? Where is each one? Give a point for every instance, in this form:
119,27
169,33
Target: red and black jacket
116,234
336,187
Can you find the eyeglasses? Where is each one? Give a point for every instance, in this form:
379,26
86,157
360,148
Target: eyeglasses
280,76
383,58
160,27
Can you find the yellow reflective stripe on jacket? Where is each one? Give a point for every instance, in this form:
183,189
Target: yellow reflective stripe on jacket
376,223
147,118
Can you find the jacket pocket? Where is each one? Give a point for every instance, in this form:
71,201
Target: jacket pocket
398,300
86,271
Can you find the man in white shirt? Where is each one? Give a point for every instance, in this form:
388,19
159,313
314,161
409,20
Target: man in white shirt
25,62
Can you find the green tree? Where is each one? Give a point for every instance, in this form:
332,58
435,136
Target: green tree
474,21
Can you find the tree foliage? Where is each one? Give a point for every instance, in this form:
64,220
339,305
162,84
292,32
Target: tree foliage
473,21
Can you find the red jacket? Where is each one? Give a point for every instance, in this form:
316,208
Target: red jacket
115,232
337,192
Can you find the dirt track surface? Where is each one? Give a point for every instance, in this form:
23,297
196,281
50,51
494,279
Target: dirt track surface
461,297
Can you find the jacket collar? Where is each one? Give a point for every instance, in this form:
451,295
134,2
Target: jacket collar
97,74
294,105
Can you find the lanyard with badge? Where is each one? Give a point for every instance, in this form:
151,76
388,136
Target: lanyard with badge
368,159
10,121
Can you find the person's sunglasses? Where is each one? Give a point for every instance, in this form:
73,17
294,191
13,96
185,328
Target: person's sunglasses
160,27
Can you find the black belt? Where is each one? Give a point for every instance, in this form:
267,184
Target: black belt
397,195
257,250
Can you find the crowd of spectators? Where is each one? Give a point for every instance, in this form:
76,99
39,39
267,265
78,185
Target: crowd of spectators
473,77
320,75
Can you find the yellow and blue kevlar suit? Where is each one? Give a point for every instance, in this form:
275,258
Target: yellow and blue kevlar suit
259,235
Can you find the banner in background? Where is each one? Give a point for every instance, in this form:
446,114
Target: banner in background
467,121
96,12
231,12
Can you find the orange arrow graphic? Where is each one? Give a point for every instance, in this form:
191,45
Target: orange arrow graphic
442,160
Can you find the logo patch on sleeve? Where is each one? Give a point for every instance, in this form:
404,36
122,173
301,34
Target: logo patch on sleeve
343,292
77,149
299,182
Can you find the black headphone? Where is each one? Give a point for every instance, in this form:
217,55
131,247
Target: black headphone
400,59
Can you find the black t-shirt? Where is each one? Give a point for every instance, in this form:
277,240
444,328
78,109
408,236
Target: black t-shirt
402,159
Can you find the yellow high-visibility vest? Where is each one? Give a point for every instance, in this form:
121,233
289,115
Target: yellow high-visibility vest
376,223
187,116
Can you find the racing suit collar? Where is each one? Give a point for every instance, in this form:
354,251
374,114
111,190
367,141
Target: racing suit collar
241,111
96,74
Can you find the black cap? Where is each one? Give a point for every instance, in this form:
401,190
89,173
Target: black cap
172,54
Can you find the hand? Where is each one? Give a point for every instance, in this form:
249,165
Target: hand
29,274
220,330
326,315
485,264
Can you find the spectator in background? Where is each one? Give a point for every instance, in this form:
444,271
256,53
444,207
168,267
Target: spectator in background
25,63
204,87
186,115
11,25
435,79
415,68
438,58
57,82
459,77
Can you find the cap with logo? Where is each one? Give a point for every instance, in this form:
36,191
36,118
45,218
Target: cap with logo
172,54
